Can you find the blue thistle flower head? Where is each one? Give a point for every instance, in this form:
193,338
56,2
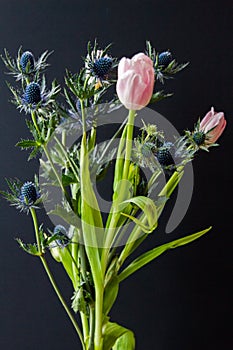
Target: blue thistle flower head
164,154
35,96
27,62
199,137
24,196
164,58
32,94
61,235
101,67
29,194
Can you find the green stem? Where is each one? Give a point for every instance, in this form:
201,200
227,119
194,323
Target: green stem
35,223
84,326
116,215
54,170
83,116
167,191
70,161
60,297
129,141
92,328
117,133
63,138
98,317
51,278
33,115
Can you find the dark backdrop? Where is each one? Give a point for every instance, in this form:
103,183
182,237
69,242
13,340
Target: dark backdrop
182,300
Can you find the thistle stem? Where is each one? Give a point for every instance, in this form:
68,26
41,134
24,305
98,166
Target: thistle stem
54,170
52,280
37,233
33,115
83,116
60,297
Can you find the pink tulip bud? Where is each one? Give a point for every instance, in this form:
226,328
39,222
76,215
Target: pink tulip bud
135,82
213,125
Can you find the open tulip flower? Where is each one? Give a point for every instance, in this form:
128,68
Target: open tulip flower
92,248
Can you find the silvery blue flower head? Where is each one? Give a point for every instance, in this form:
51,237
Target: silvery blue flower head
27,62
29,195
164,154
25,66
35,96
24,196
61,235
101,67
99,64
199,137
165,58
32,94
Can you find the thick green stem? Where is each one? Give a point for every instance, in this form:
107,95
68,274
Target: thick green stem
98,341
92,328
129,141
121,196
85,327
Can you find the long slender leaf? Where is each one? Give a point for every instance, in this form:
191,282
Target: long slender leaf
91,216
154,253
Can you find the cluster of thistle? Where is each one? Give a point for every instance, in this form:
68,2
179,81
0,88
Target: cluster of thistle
89,86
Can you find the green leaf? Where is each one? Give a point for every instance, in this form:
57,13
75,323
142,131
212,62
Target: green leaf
68,179
154,253
148,207
125,342
28,248
158,96
110,294
27,144
78,301
91,217
63,255
172,183
117,337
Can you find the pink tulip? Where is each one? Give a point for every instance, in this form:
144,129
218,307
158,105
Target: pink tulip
135,82
213,125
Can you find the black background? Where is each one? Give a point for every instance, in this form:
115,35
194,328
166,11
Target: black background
182,300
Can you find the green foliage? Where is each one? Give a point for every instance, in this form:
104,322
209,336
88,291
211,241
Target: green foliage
117,337
154,253
78,301
28,248
148,208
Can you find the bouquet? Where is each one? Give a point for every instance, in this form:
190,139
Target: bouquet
96,134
